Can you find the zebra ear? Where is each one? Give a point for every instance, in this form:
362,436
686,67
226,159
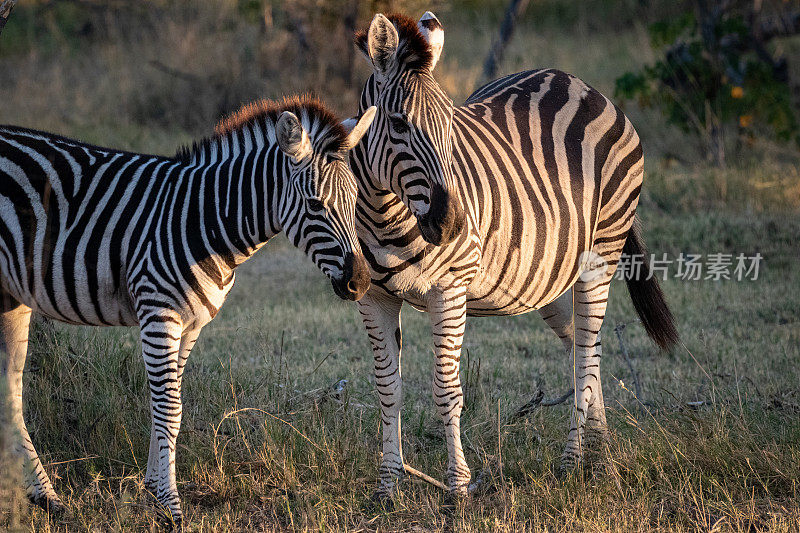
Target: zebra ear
292,137
358,128
430,28
349,123
382,42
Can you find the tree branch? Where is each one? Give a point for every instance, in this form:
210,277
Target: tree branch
783,25
424,477
539,400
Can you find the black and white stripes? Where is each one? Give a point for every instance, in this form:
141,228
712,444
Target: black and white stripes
90,235
492,208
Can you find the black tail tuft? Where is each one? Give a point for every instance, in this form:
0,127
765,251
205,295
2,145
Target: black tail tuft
646,294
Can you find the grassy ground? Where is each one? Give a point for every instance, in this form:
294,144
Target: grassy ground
269,443
273,440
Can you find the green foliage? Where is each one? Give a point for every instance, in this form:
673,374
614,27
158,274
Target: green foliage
717,80
45,27
664,32
251,10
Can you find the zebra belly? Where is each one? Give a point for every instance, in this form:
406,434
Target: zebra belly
490,296
68,292
515,280
80,306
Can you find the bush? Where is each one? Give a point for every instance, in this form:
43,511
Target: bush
716,76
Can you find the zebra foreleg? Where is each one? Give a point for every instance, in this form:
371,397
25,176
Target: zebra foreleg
381,316
448,315
161,333
14,326
151,477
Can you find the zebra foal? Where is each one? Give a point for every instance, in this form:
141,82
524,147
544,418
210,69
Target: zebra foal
97,236
522,199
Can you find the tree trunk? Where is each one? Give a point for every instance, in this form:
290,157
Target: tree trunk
495,57
5,11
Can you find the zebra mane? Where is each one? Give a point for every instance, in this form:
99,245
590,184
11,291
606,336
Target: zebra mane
326,132
413,49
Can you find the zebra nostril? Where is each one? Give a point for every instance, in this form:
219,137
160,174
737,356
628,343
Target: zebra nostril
352,286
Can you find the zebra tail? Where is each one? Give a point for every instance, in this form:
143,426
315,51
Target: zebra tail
647,296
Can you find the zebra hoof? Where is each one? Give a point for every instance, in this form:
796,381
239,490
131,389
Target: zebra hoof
170,520
381,500
177,524
569,465
166,516
453,498
51,504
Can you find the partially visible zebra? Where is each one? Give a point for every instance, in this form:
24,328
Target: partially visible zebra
97,236
523,198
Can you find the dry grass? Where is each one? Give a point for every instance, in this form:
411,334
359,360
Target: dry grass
269,444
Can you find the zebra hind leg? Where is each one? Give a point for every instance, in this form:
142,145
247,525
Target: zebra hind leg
588,438
590,297
14,326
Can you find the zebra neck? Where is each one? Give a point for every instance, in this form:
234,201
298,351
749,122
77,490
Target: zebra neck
383,212
240,191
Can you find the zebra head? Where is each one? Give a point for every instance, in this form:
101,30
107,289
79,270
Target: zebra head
318,208
409,150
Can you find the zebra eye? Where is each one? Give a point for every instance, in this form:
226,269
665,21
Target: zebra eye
398,125
314,204
330,158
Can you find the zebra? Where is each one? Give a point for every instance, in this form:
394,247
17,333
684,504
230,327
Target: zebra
523,198
98,236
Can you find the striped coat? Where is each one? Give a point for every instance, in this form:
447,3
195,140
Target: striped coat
97,236
521,199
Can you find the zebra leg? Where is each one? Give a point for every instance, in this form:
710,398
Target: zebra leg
596,427
14,326
161,333
448,315
558,315
381,316
590,297
151,477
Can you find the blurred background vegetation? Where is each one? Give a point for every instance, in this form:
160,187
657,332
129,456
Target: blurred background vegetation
701,79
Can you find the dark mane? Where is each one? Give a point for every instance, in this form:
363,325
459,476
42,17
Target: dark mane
413,49
266,112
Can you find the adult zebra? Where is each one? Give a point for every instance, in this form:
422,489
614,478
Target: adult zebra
530,189
96,236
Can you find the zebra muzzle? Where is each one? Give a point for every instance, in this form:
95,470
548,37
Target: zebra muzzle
355,279
445,218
